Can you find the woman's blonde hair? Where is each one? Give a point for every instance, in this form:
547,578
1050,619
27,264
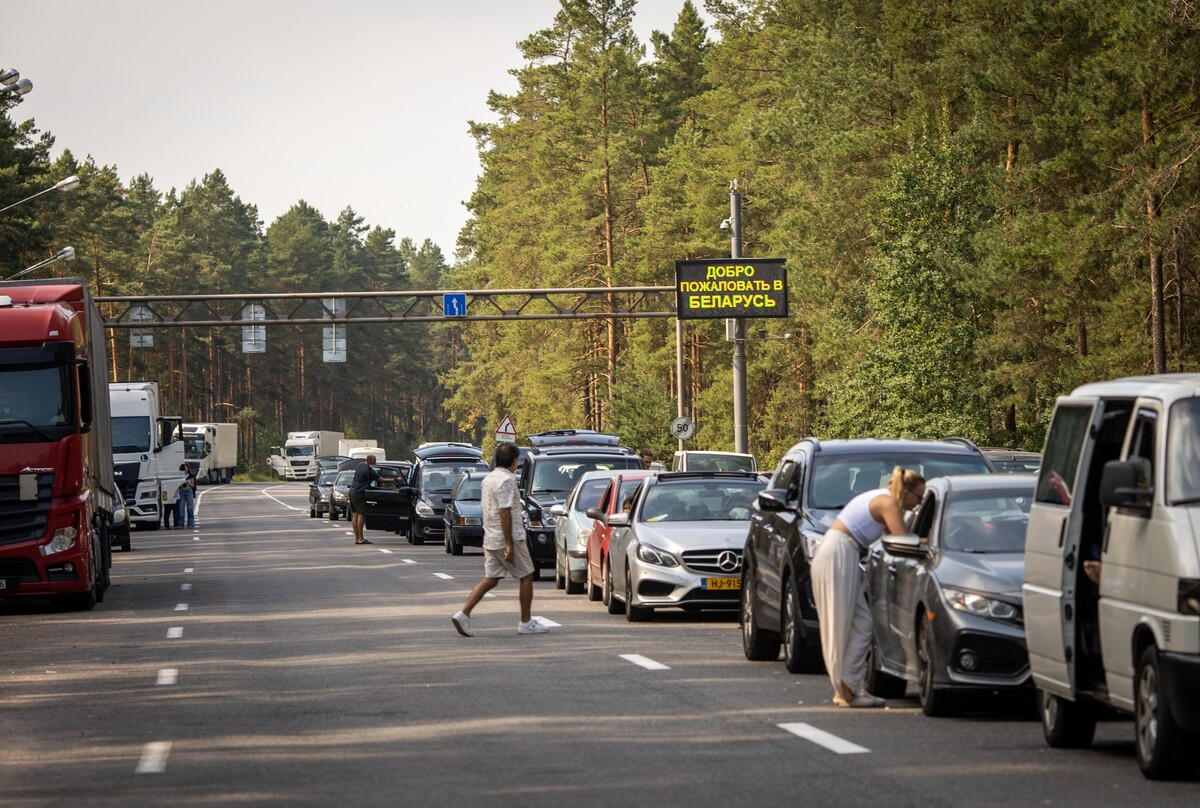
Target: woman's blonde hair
903,480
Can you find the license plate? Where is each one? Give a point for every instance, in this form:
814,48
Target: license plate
9,583
721,583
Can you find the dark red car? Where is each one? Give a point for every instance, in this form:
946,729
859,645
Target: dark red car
599,577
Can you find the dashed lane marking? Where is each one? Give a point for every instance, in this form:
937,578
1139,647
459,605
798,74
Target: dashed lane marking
168,676
443,576
385,550
174,632
185,587
181,607
546,621
645,662
154,758
409,561
822,738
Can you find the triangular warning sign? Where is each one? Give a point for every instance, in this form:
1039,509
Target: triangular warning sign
506,427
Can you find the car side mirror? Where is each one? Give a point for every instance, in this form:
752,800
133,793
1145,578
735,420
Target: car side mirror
594,513
617,520
904,544
558,510
772,499
1119,487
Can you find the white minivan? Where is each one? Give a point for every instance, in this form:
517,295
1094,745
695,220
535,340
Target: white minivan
1112,567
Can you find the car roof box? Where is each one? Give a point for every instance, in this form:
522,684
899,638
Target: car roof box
456,450
573,437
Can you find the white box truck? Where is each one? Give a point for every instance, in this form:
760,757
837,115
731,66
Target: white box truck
361,447
301,450
147,451
211,451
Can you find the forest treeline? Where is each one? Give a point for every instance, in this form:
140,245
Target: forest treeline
981,204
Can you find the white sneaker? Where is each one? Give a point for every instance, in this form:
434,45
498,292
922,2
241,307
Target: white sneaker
462,622
532,627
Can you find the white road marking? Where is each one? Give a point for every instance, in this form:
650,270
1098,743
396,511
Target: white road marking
175,632
384,550
443,576
281,502
185,587
168,676
187,570
195,538
409,561
546,621
154,758
181,607
822,738
645,662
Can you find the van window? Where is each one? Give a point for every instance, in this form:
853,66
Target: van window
1183,453
1141,451
1060,461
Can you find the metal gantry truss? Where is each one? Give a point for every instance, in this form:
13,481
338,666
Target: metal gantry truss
324,308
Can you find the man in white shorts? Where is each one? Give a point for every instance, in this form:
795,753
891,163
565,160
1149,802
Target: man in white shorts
501,555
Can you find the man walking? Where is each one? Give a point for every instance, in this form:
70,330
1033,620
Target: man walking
501,554
364,474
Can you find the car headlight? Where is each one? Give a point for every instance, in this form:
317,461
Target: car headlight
63,539
653,555
549,519
423,509
470,520
981,606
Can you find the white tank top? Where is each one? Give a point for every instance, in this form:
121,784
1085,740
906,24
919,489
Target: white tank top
856,516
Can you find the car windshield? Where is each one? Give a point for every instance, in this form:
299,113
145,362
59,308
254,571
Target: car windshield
700,501
837,479
343,478
1183,452
558,476
703,461
442,476
471,489
590,494
986,521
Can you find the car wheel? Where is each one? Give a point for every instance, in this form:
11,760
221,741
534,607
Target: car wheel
798,655
879,683
312,512
572,587
634,614
559,578
1066,724
446,541
333,514
456,547
758,644
934,701
1161,743
594,592
614,604
126,543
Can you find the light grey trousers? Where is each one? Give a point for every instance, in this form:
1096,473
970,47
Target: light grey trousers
845,617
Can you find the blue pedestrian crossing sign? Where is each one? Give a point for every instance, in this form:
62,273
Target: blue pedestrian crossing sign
454,305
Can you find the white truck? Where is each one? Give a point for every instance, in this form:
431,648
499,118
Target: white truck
147,451
301,449
359,448
211,451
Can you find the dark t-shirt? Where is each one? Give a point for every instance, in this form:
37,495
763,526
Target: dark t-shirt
362,478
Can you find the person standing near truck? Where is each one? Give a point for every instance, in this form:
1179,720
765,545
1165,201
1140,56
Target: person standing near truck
185,504
364,475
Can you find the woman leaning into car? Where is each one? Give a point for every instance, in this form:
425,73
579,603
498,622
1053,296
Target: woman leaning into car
837,580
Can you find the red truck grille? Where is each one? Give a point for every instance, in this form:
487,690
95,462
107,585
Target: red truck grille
23,520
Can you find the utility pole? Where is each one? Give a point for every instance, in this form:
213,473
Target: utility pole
735,328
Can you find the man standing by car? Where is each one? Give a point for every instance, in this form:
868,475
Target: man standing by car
363,476
501,554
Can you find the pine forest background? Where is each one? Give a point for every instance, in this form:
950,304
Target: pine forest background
982,204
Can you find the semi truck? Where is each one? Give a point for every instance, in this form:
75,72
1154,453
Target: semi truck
56,476
211,451
147,451
300,451
359,448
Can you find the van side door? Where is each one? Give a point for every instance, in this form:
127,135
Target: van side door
1052,543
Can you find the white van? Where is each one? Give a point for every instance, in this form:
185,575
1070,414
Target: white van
1119,485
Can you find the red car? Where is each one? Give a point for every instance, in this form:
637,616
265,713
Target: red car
599,577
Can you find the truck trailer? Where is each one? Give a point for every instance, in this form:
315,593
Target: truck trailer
211,451
56,476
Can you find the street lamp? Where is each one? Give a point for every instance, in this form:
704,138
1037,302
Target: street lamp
65,254
65,184
11,82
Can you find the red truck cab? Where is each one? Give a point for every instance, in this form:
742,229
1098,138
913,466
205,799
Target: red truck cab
56,472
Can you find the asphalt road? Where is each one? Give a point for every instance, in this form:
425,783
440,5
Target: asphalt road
263,659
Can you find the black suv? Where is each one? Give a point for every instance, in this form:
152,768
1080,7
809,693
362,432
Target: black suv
809,488
555,462
438,467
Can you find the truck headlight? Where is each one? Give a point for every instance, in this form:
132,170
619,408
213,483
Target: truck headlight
63,539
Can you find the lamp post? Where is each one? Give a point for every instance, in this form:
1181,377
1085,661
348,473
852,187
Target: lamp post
65,254
11,82
65,184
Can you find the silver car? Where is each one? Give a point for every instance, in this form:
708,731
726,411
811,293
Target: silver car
573,528
681,544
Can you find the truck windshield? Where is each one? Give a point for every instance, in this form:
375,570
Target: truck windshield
193,447
37,395
130,433
1183,453
299,451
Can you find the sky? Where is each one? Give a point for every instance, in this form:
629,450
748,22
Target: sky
360,103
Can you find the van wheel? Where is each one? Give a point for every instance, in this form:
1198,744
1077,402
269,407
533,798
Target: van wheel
798,655
1161,743
1066,724
758,644
880,683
